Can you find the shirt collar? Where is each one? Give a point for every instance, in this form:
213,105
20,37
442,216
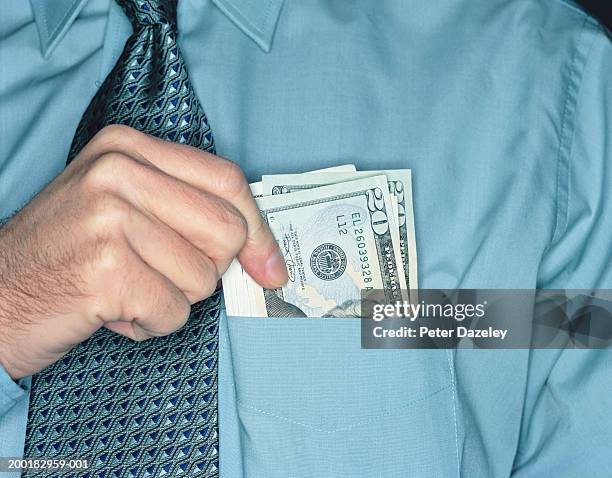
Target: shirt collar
255,18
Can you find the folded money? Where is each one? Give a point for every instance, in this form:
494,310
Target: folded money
340,231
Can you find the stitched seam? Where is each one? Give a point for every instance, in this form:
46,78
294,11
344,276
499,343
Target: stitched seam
562,200
44,22
451,370
592,23
261,36
60,23
266,19
226,348
245,20
558,212
350,427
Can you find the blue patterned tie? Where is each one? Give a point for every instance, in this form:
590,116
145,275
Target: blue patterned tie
149,408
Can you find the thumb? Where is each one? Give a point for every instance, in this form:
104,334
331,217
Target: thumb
262,259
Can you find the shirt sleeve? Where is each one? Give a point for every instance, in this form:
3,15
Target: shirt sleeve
567,424
14,398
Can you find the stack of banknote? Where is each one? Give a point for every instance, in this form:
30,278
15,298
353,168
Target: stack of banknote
341,231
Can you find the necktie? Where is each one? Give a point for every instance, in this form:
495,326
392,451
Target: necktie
148,408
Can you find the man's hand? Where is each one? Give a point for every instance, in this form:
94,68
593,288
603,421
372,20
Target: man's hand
127,237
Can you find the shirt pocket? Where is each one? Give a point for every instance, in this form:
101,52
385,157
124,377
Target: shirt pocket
305,386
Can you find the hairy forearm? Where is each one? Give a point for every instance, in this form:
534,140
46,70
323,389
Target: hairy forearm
19,301
5,296
29,281
7,299
8,287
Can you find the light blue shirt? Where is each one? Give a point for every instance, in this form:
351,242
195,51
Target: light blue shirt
503,111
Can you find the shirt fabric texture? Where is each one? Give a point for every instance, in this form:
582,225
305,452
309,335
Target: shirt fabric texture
503,111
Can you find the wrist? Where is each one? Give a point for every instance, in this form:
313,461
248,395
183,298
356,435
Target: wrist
8,316
6,325
6,363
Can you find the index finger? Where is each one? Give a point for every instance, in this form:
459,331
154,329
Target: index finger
260,255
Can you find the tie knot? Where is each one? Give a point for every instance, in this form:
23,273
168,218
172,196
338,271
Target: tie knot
149,12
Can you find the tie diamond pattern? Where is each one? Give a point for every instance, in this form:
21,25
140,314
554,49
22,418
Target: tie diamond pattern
143,409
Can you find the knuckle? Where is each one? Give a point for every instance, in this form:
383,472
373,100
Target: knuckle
113,135
176,317
140,337
231,178
107,216
110,258
209,287
205,281
234,229
105,170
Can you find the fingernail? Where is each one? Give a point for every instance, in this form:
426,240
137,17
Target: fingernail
276,270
